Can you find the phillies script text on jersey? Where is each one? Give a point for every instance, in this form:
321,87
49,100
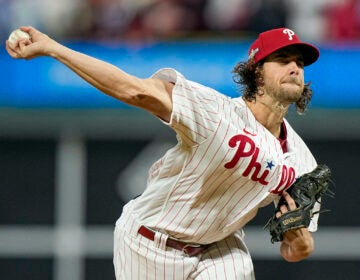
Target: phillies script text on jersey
241,142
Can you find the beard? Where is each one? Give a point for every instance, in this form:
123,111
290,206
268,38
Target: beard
289,92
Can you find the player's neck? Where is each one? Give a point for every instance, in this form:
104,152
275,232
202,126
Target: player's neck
269,114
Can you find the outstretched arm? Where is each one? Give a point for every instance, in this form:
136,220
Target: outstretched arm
152,95
297,244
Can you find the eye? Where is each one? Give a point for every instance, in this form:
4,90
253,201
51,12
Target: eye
300,63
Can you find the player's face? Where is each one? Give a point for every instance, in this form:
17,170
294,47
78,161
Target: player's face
283,74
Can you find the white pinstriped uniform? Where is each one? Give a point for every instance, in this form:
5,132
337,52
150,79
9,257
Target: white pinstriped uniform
204,190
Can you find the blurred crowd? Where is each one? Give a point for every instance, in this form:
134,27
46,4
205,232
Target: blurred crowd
147,20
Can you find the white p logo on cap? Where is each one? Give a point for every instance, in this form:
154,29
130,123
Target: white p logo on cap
289,32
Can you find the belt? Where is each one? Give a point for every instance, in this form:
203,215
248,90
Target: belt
189,249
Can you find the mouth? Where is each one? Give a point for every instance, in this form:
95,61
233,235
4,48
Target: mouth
287,84
292,81
292,84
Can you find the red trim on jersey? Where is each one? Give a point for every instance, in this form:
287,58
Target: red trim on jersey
283,137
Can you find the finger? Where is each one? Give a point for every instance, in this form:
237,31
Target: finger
22,46
29,29
283,209
26,42
11,51
291,203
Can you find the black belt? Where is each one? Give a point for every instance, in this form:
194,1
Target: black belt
189,249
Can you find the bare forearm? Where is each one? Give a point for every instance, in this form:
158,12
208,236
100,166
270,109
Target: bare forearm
149,94
102,75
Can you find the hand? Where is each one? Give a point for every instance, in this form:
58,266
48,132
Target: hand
39,44
297,244
290,204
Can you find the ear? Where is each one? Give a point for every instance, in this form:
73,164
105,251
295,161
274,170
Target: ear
260,92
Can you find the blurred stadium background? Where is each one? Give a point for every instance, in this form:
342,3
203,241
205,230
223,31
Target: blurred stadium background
70,157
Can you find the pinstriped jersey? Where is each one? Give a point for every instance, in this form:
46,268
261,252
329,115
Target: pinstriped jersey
224,166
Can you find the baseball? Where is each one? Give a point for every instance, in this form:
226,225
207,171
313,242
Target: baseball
17,35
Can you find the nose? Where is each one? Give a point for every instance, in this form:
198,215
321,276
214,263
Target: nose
294,68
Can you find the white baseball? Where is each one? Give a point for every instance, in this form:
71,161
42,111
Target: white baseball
17,35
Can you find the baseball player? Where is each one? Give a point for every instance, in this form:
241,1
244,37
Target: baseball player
233,156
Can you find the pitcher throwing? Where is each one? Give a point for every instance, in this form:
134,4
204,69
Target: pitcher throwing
233,156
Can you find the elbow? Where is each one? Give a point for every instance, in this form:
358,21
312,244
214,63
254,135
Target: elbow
131,95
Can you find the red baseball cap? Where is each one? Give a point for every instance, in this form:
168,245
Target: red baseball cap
275,39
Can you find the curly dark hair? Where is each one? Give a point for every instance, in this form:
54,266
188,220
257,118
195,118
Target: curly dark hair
249,78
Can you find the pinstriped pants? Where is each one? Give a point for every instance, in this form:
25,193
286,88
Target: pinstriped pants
138,258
